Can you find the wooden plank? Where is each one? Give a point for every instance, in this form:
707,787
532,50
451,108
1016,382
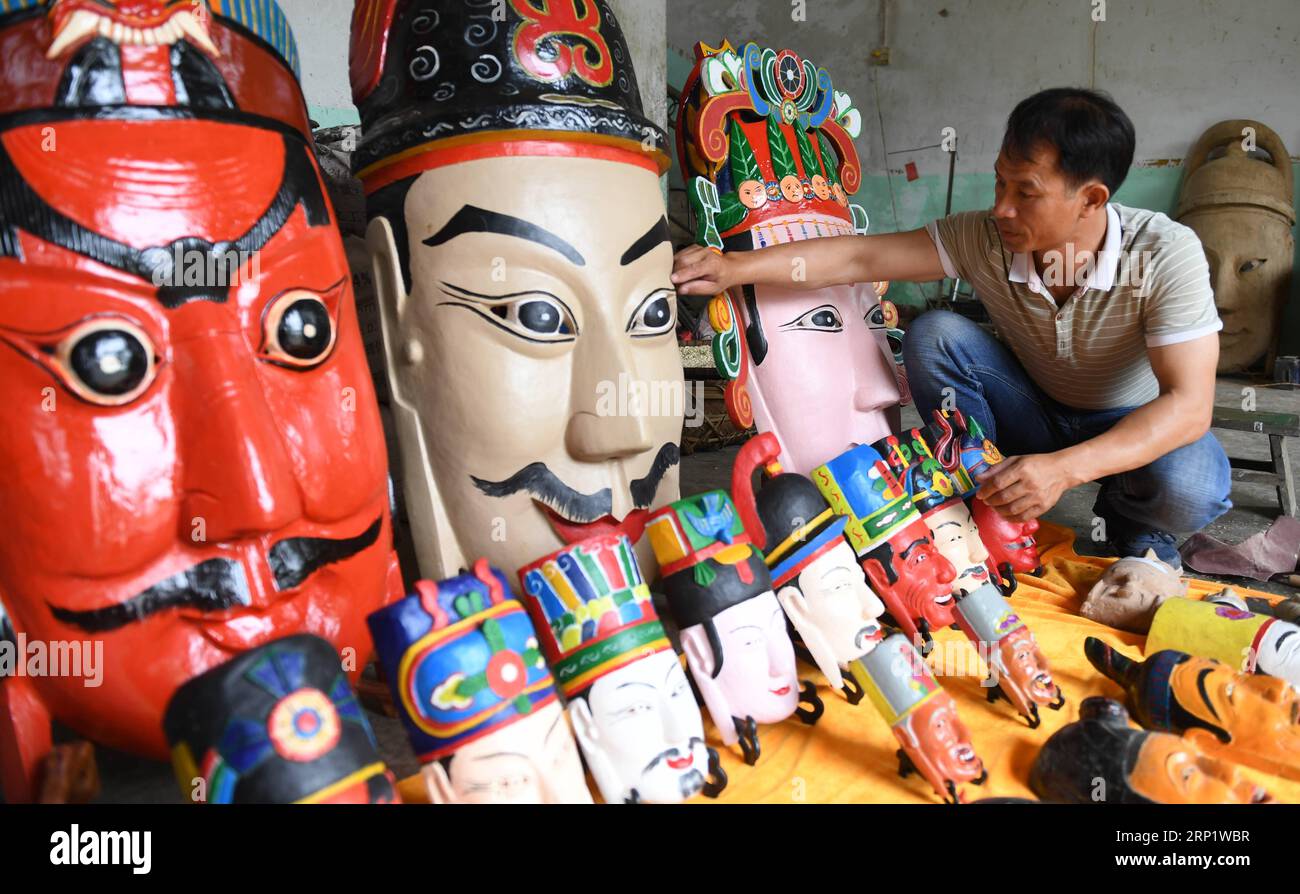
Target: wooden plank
1286,494
1251,476
1286,425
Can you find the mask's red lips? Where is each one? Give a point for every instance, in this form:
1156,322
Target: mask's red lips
573,532
681,763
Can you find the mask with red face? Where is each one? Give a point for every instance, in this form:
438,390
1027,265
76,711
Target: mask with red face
193,463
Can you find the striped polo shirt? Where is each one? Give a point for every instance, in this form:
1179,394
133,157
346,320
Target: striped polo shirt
1149,286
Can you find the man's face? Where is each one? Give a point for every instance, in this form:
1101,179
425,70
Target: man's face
758,677
840,603
1035,208
184,482
957,538
1249,254
825,362
538,350
533,760
1010,543
645,727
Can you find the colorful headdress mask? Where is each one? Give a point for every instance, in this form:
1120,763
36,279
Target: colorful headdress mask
592,609
431,75
860,484
897,679
463,660
930,484
959,443
762,134
706,559
279,724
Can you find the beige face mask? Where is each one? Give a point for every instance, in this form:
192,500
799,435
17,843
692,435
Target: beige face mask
534,364
1236,195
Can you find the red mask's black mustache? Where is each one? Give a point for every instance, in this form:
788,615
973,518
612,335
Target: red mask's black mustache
219,584
543,484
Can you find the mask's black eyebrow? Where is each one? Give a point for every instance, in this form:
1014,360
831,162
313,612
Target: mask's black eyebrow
657,234
470,219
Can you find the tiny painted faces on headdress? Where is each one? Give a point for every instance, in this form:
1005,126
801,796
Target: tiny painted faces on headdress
752,194
1009,543
533,760
642,734
193,462
820,188
957,538
832,601
532,351
916,577
792,188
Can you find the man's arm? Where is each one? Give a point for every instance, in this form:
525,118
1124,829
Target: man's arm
1026,487
811,264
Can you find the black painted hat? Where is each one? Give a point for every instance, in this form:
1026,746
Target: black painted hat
278,724
433,74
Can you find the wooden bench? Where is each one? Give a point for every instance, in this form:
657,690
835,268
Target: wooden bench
1282,429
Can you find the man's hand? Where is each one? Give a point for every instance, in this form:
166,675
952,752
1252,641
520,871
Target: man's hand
1026,487
702,271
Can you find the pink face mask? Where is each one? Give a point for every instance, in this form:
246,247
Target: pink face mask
815,355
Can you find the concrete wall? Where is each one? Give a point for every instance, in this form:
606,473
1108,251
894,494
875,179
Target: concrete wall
321,28
1176,66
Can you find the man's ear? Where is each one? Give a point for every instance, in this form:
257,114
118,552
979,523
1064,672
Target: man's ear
437,783
796,609
1095,196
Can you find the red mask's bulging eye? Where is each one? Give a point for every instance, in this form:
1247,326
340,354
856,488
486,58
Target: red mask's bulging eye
109,362
299,329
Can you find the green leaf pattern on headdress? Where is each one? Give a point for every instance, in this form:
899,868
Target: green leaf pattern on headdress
744,166
782,157
806,155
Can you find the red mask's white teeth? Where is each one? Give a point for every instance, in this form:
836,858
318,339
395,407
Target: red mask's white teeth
84,23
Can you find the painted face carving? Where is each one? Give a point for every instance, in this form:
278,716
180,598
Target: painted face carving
752,194
807,352
1009,543
757,677
1129,592
473,690
957,538
641,732
913,577
832,601
1022,660
193,469
1237,197
945,739
1279,651
535,312
532,761
1170,770
1252,719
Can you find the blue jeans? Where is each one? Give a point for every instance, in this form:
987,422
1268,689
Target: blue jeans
1179,493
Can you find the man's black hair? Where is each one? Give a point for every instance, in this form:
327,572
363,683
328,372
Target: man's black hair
1090,132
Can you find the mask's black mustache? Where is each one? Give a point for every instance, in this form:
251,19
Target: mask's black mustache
673,753
542,484
219,584
644,489
294,560
212,586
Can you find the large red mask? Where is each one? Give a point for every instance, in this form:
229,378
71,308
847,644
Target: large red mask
1011,545
913,579
192,462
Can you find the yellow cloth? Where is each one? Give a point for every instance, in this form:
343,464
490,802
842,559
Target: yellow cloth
849,755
